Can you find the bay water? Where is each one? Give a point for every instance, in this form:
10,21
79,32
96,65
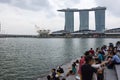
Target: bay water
28,58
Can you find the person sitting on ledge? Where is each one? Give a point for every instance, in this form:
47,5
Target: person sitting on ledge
48,77
53,76
74,70
91,51
114,60
60,69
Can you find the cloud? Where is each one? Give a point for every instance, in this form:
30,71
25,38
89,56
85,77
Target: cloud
65,3
5,1
112,6
71,3
33,5
29,4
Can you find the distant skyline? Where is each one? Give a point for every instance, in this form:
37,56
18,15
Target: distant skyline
21,16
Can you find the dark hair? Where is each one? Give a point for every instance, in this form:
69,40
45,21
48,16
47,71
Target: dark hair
113,53
81,56
86,53
74,64
88,58
91,48
54,69
97,49
117,43
111,45
48,77
77,61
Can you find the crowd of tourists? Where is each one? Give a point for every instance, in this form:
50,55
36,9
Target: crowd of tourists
91,65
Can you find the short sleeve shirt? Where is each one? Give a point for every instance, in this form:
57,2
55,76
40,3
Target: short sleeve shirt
87,72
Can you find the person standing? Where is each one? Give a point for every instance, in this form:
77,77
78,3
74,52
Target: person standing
87,70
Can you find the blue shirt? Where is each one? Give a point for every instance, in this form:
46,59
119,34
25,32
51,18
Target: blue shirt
116,59
100,57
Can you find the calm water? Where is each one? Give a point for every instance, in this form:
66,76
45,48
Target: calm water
28,58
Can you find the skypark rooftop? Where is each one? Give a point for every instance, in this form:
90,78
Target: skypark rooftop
78,10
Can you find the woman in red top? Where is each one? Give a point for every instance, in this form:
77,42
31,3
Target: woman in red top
82,62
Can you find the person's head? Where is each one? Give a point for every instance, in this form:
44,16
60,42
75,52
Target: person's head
48,77
86,53
111,45
97,49
53,70
97,61
115,49
104,46
81,56
77,61
91,48
74,64
89,59
99,52
113,53
117,43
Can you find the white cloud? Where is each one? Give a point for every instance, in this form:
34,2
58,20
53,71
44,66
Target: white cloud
29,4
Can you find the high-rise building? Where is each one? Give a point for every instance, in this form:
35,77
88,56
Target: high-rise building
100,20
84,20
69,21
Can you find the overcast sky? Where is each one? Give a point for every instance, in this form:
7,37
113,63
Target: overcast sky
21,16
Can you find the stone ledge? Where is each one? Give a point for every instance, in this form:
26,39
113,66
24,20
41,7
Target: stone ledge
117,68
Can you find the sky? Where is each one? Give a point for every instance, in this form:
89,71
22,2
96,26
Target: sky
21,16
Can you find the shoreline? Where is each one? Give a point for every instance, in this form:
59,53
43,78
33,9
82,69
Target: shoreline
57,37
64,66
61,36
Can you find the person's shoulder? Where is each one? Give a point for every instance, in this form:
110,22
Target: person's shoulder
85,65
115,56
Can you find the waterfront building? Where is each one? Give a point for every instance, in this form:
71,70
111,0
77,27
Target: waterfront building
100,19
114,30
84,20
43,33
69,21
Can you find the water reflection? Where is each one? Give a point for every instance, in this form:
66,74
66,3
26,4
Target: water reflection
68,48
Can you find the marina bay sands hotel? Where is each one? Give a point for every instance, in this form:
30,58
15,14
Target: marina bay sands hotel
84,19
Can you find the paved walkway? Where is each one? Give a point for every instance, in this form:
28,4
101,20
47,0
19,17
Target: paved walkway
110,74
117,67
